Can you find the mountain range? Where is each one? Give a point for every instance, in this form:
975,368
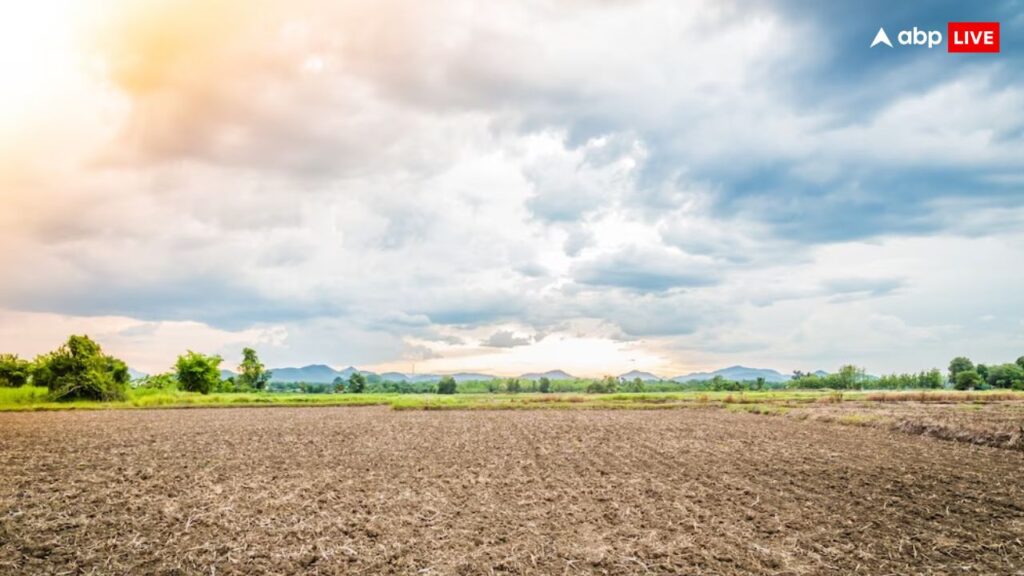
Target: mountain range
550,375
324,374
644,376
738,373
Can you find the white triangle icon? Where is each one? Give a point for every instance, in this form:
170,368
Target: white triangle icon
881,38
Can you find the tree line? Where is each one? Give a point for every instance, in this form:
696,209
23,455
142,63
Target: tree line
850,377
962,374
966,375
79,369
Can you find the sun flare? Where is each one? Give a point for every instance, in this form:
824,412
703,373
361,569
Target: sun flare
36,53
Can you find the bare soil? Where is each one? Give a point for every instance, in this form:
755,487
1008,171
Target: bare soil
370,491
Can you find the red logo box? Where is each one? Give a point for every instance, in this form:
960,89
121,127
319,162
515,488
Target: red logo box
972,37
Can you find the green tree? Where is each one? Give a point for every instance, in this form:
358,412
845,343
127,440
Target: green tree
1020,362
932,379
850,377
447,385
982,371
197,372
759,383
251,372
229,385
80,369
968,380
165,381
339,384
544,385
636,385
958,365
610,384
513,386
14,371
356,383
1006,376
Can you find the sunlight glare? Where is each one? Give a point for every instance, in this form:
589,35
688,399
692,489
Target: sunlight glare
36,53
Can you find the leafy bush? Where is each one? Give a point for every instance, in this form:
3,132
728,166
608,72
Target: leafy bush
968,380
447,385
197,372
719,383
80,370
634,385
544,385
606,385
14,371
165,381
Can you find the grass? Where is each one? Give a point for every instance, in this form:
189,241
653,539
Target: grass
946,396
764,409
26,396
29,398
34,398
858,419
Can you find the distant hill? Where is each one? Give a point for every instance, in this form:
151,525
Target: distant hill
737,373
459,377
346,372
225,374
317,374
312,374
324,374
550,375
135,374
634,374
471,376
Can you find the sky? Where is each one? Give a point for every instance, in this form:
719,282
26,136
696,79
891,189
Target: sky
511,186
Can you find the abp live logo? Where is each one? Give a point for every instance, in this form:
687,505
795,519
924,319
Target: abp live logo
960,36
973,37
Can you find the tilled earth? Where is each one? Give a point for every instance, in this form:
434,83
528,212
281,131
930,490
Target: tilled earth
370,490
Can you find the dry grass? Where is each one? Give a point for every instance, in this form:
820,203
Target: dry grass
946,397
834,397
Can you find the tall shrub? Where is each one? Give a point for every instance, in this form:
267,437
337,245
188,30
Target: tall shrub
80,370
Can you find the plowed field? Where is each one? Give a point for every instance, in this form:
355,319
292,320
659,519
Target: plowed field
371,490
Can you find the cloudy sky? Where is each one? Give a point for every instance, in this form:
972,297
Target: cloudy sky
596,186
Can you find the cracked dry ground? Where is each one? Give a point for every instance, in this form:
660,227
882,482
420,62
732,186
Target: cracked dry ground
369,490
